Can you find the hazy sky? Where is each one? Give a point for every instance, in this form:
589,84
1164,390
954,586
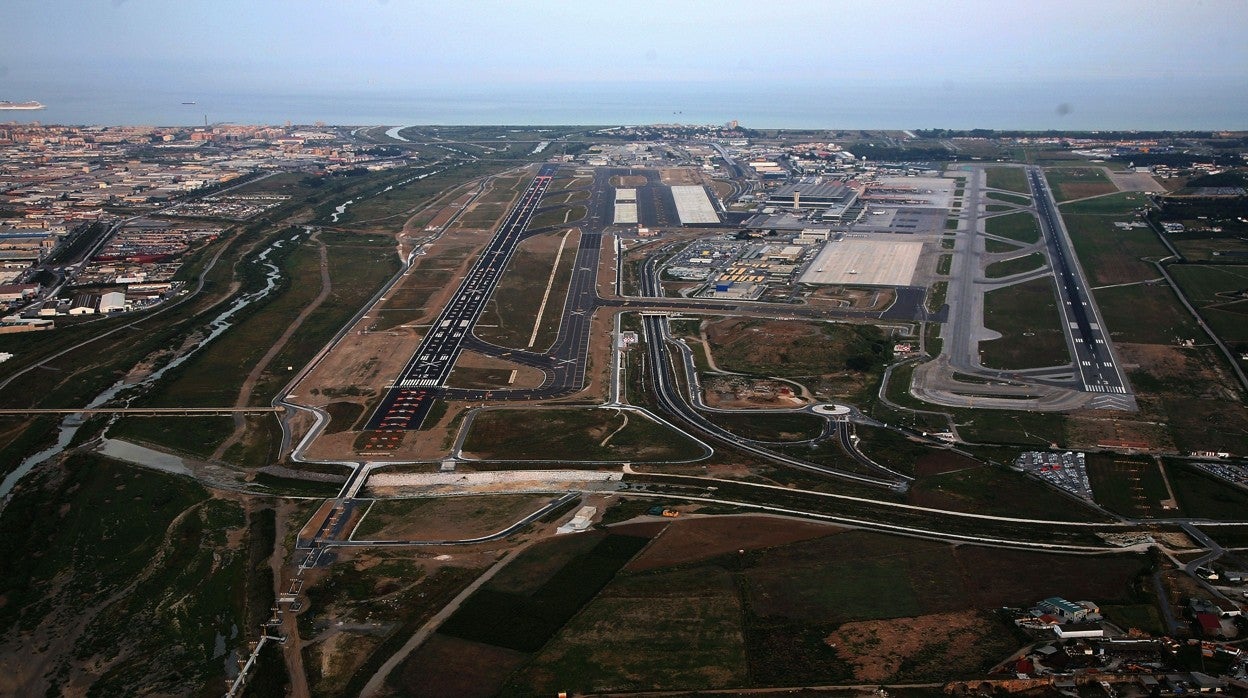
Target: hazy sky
363,44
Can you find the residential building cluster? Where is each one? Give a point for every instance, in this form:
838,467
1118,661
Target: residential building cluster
64,189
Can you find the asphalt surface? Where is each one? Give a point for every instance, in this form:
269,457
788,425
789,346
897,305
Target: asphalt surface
423,379
668,396
1098,370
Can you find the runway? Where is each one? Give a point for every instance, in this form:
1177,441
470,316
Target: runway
422,381
1098,370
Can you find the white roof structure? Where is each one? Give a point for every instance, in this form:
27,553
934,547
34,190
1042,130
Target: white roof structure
580,522
693,206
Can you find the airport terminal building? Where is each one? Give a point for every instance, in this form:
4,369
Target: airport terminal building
833,199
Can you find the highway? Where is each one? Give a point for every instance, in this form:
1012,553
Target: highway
668,395
423,379
1098,371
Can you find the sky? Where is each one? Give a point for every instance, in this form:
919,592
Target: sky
377,45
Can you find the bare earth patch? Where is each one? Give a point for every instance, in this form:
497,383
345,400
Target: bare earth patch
690,540
948,642
474,370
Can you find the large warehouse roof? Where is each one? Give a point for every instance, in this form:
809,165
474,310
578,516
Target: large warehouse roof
693,206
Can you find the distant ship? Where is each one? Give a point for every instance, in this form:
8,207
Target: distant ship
190,102
21,105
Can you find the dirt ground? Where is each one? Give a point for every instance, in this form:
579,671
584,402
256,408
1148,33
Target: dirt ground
878,649
696,539
1135,181
1186,394
737,392
444,215
1093,428
856,298
451,518
680,176
474,370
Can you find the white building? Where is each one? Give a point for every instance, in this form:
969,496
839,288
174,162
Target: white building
113,301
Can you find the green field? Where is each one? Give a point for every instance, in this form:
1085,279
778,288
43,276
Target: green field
1021,226
764,426
1078,182
943,264
936,296
512,308
793,349
1018,265
584,434
1145,314
1218,292
1109,255
382,602
1120,204
425,518
357,266
1010,198
1009,178
558,216
1026,315
389,210
992,246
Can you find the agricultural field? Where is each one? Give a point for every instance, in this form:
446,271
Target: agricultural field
1202,495
790,605
1026,315
1131,486
574,434
1021,226
1078,182
988,489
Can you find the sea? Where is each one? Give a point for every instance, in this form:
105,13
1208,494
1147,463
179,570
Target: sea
1022,105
